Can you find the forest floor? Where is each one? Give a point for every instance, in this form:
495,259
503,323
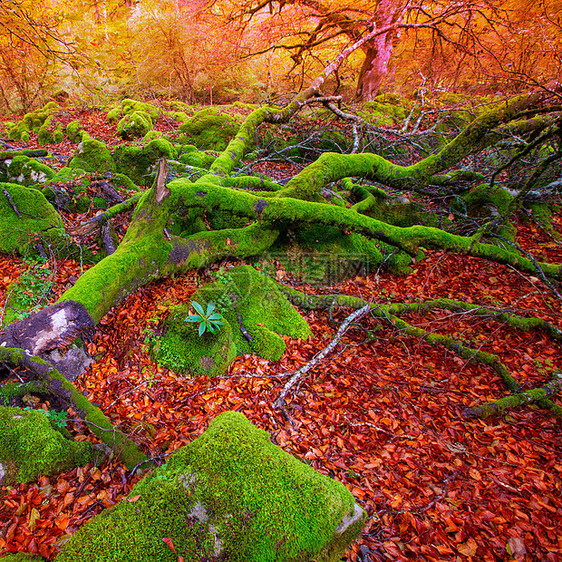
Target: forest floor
382,413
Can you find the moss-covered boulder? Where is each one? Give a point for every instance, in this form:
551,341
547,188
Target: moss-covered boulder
92,156
229,495
38,220
256,314
139,162
210,129
30,446
183,350
134,125
74,131
25,170
481,201
32,122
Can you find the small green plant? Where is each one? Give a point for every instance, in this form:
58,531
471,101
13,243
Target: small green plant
222,276
209,320
32,288
58,418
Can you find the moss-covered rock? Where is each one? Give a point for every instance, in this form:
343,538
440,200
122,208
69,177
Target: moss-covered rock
183,350
138,163
482,201
134,125
128,106
30,446
25,171
256,313
229,495
32,122
197,158
211,129
74,131
39,219
92,156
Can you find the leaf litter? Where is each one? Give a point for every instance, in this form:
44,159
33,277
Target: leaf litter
382,414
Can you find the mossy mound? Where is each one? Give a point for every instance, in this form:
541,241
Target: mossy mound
128,106
25,171
32,122
191,156
39,219
138,163
30,447
74,131
256,313
211,129
92,156
483,202
183,350
134,125
229,495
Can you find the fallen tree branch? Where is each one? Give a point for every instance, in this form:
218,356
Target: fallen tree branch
389,313
533,395
280,402
57,385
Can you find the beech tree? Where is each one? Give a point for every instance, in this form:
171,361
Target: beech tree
453,43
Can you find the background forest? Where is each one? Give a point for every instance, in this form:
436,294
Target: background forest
221,51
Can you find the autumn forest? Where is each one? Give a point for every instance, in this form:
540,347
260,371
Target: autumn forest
280,280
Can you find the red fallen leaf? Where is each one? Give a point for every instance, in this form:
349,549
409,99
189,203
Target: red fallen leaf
170,543
136,498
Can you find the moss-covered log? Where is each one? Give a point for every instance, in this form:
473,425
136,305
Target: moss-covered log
57,385
539,396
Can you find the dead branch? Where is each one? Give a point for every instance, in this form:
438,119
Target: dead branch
280,402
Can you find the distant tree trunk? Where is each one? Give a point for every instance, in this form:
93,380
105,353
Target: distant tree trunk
378,51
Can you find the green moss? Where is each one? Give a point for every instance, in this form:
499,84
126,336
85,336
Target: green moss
74,131
92,156
134,125
114,114
21,557
130,106
30,447
482,201
229,495
32,122
39,219
25,170
151,135
185,351
138,163
45,135
211,129
124,181
250,301
198,159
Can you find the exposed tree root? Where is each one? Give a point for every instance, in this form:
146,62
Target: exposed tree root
57,385
390,312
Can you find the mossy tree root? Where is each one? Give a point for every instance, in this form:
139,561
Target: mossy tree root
56,384
390,312
539,396
274,212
